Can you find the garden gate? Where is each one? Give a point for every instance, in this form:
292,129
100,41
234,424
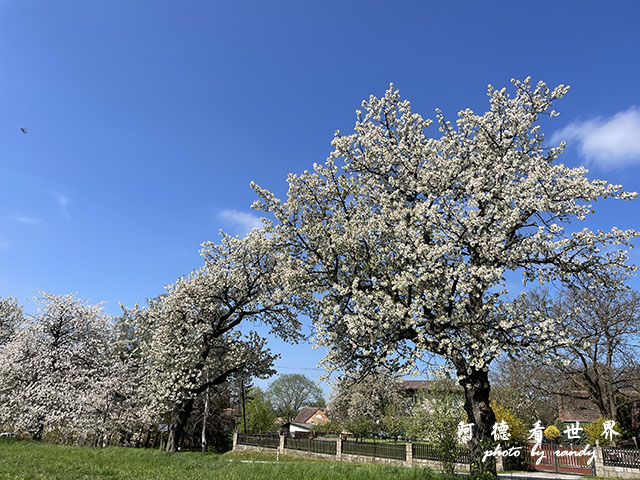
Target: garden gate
560,459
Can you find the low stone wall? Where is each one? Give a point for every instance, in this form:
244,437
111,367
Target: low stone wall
617,472
347,457
252,448
306,454
603,470
435,465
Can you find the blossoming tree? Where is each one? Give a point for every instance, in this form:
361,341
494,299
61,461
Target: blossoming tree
10,318
400,243
54,369
191,338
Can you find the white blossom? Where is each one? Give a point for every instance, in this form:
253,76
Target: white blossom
56,370
400,243
191,337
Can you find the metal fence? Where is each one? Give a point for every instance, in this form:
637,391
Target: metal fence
259,440
617,457
425,451
328,447
558,458
395,451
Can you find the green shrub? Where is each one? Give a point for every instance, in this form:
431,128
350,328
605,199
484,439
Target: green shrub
517,428
552,433
594,431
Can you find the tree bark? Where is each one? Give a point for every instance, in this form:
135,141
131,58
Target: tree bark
182,411
479,413
147,437
38,431
179,418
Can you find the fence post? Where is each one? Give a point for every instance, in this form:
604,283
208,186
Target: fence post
339,448
281,444
499,463
409,454
235,440
598,464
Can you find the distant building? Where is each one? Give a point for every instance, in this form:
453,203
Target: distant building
304,422
312,415
421,390
577,407
296,429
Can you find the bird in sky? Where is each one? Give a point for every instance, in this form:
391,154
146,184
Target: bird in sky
23,130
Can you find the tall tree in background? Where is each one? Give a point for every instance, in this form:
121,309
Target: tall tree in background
602,317
529,387
191,338
289,393
260,415
400,243
359,403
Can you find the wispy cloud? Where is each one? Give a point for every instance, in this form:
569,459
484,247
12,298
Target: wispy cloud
4,243
26,220
607,142
41,185
63,203
242,222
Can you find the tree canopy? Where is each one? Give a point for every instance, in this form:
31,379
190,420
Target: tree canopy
59,369
400,243
190,337
289,393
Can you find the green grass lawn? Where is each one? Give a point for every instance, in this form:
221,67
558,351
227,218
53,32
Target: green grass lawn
31,460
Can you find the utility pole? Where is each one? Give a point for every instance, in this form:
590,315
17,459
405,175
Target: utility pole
205,417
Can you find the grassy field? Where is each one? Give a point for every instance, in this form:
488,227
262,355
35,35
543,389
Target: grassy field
30,460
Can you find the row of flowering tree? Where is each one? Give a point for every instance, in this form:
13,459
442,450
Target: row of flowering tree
60,370
70,369
397,248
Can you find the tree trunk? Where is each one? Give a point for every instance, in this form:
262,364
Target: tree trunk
244,415
37,433
205,416
179,417
147,437
479,413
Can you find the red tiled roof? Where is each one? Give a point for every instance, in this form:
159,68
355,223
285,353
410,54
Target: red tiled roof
305,414
431,385
577,407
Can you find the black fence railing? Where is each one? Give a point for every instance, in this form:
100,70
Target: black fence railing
259,440
617,457
328,447
394,451
425,451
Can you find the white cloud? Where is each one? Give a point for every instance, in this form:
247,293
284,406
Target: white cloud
26,220
63,203
242,222
607,142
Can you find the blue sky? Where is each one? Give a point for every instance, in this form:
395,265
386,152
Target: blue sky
147,120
